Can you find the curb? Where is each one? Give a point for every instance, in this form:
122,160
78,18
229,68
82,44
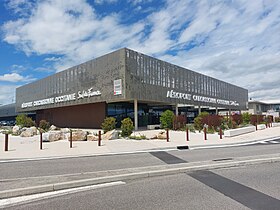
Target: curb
213,146
133,176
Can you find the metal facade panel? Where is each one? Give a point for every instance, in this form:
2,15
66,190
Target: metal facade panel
143,78
98,74
150,79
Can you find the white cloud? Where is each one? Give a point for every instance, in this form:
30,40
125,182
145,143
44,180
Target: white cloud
105,1
69,28
15,77
235,41
7,94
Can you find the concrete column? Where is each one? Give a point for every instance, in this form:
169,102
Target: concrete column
135,114
217,111
176,110
199,110
229,111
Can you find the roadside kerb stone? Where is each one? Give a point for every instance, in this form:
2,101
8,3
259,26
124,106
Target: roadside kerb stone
179,168
81,183
26,191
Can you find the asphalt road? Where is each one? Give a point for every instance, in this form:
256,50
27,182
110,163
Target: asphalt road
13,170
250,187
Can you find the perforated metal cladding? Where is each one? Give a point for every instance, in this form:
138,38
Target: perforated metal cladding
143,78
98,74
149,79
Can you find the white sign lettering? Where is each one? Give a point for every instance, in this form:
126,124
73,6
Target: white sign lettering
172,94
64,98
186,96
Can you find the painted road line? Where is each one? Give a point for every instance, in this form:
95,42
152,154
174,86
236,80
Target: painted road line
247,196
274,142
264,142
233,145
4,203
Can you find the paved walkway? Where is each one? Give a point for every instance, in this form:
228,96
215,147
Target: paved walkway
28,148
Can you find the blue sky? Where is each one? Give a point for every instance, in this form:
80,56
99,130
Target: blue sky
235,41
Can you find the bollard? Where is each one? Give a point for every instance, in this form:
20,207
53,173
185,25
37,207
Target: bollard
187,134
6,141
205,135
256,127
71,145
221,133
99,138
41,140
167,135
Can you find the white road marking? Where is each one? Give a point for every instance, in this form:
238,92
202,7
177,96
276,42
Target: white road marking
263,142
233,145
274,142
4,203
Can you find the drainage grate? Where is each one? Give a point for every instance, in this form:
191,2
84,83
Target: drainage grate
182,147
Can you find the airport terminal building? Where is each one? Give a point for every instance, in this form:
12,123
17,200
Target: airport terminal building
124,83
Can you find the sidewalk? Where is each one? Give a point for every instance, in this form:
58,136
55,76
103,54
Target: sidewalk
28,147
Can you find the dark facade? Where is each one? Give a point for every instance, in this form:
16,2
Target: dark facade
118,83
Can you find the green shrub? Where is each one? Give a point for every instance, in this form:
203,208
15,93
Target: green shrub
45,125
198,121
108,124
246,118
211,130
166,119
127,127
24,121
190,128
277,119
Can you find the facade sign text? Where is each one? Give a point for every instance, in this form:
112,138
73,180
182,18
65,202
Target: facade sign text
189,97
64,98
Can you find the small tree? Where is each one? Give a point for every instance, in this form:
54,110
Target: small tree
166,119
108,124
127,127
246,118
45,125
24,121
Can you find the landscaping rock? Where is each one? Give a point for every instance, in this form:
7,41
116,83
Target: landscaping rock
154,136
45,137
28,132
34,130
16,130
53,127
110,135
79,135
53,136
162,135
65,130
92,137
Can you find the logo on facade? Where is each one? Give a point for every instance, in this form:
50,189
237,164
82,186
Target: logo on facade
117,87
